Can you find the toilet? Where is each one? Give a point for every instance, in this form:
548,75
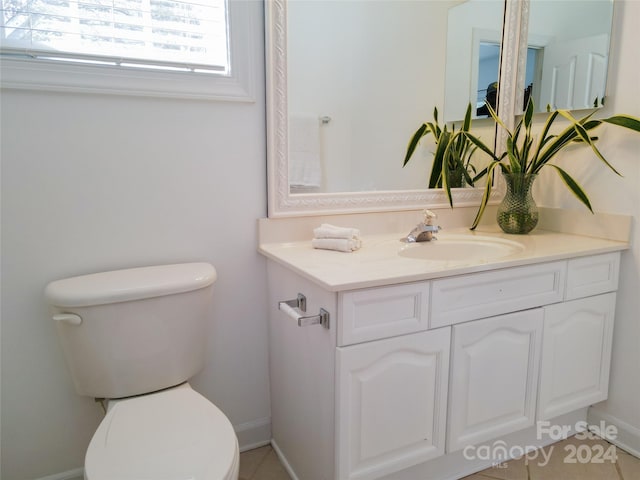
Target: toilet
134,338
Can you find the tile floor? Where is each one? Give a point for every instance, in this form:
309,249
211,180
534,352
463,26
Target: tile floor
571,459
263,464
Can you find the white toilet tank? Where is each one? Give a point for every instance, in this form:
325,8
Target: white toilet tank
135,331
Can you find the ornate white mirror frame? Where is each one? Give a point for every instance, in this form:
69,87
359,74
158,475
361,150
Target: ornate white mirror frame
281,203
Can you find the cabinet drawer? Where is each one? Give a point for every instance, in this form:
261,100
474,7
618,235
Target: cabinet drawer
469,297
382,312
592,275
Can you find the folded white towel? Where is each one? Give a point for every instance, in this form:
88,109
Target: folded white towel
327,230
305,161
339,244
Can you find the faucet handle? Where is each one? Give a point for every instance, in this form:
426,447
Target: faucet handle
429,216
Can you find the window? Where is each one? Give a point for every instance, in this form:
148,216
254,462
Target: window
153,47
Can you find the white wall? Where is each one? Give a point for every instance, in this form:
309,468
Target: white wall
623,196
569,19
610,193
94,182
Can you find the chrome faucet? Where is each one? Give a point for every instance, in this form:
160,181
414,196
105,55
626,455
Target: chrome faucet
425,230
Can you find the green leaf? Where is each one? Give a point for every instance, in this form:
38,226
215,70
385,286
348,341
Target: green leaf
467,119
528,115
587,139
526,148
584,120
544,139
558,143
573,186
485,196
482,173
591,124
413,143
497,119
480,144
445,177
435,129
467,177
438,174
626,121
516,131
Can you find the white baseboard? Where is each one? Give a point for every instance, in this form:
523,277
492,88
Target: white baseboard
283,460
253,434
75,474
627,436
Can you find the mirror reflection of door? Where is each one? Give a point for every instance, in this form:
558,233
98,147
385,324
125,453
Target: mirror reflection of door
576,73
473,27
488,68
568,53
533,76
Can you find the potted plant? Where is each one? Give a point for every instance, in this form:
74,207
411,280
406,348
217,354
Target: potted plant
452,167
525,157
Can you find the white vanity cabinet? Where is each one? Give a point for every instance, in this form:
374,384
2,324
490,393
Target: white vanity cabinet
409,374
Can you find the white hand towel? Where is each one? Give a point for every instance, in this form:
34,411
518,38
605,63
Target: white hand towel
305,168
339,244
331,231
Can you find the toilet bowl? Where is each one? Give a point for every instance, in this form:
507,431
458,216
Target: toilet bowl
134,337
175,434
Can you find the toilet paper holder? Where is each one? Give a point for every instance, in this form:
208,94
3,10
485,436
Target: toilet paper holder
296,309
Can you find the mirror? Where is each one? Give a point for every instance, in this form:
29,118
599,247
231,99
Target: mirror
474,34
368,111
566,54
362,75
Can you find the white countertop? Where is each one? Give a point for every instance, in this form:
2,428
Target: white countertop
378,263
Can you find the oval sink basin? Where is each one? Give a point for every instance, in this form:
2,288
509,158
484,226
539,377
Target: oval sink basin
461,248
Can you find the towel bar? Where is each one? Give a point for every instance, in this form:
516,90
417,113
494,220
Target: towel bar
298,306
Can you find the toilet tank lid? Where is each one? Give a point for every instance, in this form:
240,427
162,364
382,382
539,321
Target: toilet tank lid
129,284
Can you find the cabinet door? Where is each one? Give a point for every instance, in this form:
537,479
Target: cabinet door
391,403
576,355
494,376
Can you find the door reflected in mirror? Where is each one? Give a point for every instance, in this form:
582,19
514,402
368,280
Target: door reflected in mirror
474,33
488,69
567,53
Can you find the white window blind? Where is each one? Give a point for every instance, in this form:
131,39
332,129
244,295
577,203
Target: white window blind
181,35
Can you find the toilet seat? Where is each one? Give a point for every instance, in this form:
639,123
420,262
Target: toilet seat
175,434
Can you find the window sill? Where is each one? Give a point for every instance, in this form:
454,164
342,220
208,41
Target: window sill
63,77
